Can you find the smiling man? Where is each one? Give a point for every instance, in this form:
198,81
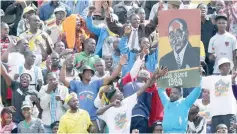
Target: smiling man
183,55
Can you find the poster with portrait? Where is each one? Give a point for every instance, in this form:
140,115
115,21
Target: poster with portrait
179,47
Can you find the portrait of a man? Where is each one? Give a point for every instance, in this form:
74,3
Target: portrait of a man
183,55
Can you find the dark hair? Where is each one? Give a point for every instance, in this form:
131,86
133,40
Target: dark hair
54,124
196,107
26,74
133,14
158,123
6,110
180,89
201,4
27,53
56,43
182,21
140,40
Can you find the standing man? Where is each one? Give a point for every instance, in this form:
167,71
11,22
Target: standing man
76,120
183,55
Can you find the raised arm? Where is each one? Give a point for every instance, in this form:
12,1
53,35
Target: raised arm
62,75
5,75
123,47
193,96
123,60
89,22
112,24
151,26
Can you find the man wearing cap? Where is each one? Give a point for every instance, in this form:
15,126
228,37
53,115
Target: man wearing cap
223,44
21,92
76,120
87,89
223,93
183,55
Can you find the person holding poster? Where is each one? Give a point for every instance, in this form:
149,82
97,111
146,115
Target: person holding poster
223,90
179,58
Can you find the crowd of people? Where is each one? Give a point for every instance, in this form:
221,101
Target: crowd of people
89,66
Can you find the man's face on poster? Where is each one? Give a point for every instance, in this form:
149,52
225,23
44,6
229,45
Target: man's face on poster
177,36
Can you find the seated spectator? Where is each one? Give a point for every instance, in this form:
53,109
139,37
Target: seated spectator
30,68
30,124
7,125
120,109
181,107
205,109
79,6
100,71
124,9
54,127
55,28
87,56
52,65
75,31
75,120
46,11
71,72
196,123
21,92
52,98
6,39
223,44
156,128
106,37
221,129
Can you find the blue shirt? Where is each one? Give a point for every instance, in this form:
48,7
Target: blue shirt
47,10
86,94
143,106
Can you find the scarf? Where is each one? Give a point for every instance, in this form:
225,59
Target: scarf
53,106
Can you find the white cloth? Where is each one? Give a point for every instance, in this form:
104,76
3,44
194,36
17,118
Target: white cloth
45,104
136,45
108,46
222,100
189,6
181,55
95,77
204,109
15,59
155,9
200,129
223,46
118,119
32,71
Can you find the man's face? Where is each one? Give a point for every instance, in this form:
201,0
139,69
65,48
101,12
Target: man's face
60,15
59,47
108,61
221,24
55,129
203,9
34,22
99,66
177,36
70,64
145,43
220,5
25,80
52,78
30,58
222,129
158,130
91,46
117,95
74,103
174,94
135,21
55,59
192,113
206,94
30,13
23,46
4,30
26,112
142,15
225,68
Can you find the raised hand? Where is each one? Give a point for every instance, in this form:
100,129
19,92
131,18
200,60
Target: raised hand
162,71
123,59
91,10
127,30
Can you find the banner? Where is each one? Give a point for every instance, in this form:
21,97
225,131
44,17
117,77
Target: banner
179,47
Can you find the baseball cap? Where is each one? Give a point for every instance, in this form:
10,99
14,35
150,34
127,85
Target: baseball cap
60,9
27,9
221,16
87,68
26,104
225,60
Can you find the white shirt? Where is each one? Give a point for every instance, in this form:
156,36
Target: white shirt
204,109
222,100
108,46
155,9
118,119
136,46
95,77
32,71
181,54
45,104
15,59
223,46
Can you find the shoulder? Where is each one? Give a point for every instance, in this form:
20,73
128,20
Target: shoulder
231,36
167,55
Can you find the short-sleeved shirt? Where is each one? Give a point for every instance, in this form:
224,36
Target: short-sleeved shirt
78,122
35,126
86,94
88,60
118,119
18,96
223,46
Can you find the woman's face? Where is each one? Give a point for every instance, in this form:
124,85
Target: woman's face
26,112
7,118
78,23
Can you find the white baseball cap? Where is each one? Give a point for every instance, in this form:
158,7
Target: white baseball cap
60,9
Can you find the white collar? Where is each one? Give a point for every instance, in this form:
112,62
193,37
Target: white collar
181,54
134,29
